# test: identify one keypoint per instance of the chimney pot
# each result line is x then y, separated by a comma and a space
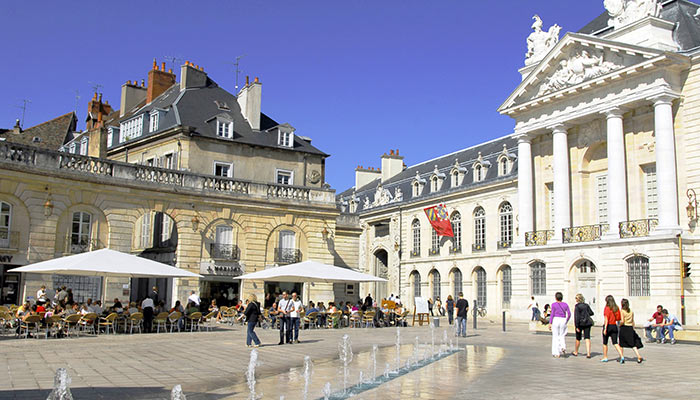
143, 83
163, 67
257, 80
128, 82
155, 65
170, 70
247, 80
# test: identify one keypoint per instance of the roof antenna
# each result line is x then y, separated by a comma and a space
77, 100
25, 102
96, 87
173, 60
237, 64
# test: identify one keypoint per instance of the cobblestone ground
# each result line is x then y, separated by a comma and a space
211, 365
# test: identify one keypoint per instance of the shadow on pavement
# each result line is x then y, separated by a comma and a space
109, 393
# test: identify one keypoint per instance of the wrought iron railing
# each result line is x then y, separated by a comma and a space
503, 244
586, 233
478, 247
637, 228
287, 256
415, 253
76, 245
220, 251
538, 238
9, 239
434, 251
455, 249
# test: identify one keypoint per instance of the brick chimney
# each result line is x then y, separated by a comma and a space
249, 98
392, 164
97, 111
158, 81
192, 76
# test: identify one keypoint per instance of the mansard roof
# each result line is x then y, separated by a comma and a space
490, 151
50, 135
682, 12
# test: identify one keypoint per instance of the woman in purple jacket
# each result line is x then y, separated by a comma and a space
557, 324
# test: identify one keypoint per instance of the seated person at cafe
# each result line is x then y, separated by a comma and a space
74, 309
117, 306
191, 308
96, 307
23, 309
657, 325
311, 308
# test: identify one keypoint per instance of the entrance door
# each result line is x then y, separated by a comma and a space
586, 282
381, 259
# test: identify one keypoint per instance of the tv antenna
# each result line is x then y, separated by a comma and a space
96, 87
173, 60
77, 100
237, 64
25, 102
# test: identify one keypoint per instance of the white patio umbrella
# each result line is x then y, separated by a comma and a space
311, 271
108, 263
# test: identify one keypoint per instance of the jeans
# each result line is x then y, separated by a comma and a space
659, 332
535, 313
295, 325
252, 337
669, 329
285, 329
462, 326
450, 316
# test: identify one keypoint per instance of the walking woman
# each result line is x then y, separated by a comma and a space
583, 323
450, 306
252, 314
628, 337
611, 316
557, 324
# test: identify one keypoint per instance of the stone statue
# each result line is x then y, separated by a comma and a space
540, 42
623, 12
398, 195
575, 70
365, 205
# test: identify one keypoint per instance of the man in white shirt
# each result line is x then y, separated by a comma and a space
194, 298
147, 308
284, 307
41, 295
294, 316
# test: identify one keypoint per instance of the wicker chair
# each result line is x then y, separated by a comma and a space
228, 314
87, 322
174, 320
311, 320
136, 321
368, 318
71, 324
53, 326
333, 320
107, 323
194, 320
209, 320
356, 320
161, 320
30, 324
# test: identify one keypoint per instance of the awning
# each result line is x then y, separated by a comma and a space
311, 271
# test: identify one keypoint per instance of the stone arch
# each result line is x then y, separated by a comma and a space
19, 217
277, 253
456, 277
209, 237
95, 238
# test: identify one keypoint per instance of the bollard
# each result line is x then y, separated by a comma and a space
474, 318
504, 321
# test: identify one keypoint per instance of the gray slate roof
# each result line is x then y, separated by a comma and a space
490, 151
682, 12
50, 135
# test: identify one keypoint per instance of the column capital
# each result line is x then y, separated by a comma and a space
523, 137
663, 99
613, 112
559, 128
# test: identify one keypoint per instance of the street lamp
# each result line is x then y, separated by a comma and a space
48, 205
692, 207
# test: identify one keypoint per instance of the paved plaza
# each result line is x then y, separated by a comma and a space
212, 365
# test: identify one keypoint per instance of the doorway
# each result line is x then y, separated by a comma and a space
586, 283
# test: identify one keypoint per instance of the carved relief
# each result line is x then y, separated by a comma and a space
590, 133
577, 69
540, 42
623, 12
315, 177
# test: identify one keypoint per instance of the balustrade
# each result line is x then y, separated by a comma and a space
586, 233
637, 228
538, 238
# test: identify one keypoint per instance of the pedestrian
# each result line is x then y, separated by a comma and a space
294, 316
147, 308
154, 294
535, 309
450, 306
583, 323
611, 316
194, 298
557, 324
284, 306
252, 315
430, 306
462, 307
628, 337
367, 305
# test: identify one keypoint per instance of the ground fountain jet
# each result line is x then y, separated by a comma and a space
61, 386
398, 349
345, 351
250, 374
432, 340
327, 391
373, 363
308, 371
177, 393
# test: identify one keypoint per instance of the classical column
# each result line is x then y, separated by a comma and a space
525, 192
666, 164
617, 181
562, 201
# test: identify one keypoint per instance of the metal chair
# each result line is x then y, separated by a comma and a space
87, 323
161, 320
29, 325
194, 320
136, 321
174, 320
209, 320
71, 324
107, 323
53, 326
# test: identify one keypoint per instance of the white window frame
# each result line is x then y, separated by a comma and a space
651, 191
480, 227
5, 223
131, 129
457, 282
416, 189
538, 278
84, 146
224, 128
550, 191
168, 160
110, 135
455, 179
503, 166
83, 224
71, 148
478, 173
154, 121
601, 182
481, 287
223, 164
435, 280
285, 139
284, 171
638, 276
434, 184
456, 221
146, 230
166, 228
505, 212
415, 232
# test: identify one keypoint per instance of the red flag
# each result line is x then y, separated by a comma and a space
437, 215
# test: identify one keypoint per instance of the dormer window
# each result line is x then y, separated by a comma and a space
84, 146
110, 136
417, 185
285, 139
457, 174
436, 180
454, 179
416, 189
502, 167
224, 128
155, 117
353, 205
71, 148
505, 162
480, 169
131, 129
434, 184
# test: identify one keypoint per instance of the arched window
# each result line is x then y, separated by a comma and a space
415, 279
434, 243
5, 224
478, 171
416, 189
538, 278
480, 287
638, 273
434, 184
456, 221
503, 167
505, 213
506, 280
455, 179
80, 232
479, 229
436, 284
415, 230
456, 283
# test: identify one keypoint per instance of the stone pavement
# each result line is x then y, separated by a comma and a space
212, 365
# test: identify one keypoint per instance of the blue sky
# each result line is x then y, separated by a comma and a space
359, 77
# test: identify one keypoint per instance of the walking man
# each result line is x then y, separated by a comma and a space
295, 315
284, 307
462, 308
147, 307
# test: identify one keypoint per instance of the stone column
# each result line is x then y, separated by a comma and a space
666, 177
525, 191
617, 171
562, 201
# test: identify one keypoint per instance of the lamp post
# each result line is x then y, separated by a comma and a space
692, 207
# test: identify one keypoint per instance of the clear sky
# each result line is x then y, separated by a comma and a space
359, 77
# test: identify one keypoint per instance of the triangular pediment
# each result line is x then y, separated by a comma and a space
576, 60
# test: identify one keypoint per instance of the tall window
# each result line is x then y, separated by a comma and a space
480, 228
503, 167
416, 189
415, 277
538, 278
434, 184
651, 191
5, 224
80, 232
166, 232
602, 191
434, 242
455, 179
146, 230
84, 146
506, 280
457, 231
285, 139
436, 284
224, 128
480, 287
550, 190
638, 273
284, 177
478, 171
154, 121
457, 283
415, 232
506, 216
110, 136
286, 253
223, 247
169, 161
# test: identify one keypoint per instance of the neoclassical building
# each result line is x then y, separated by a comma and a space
606, 162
